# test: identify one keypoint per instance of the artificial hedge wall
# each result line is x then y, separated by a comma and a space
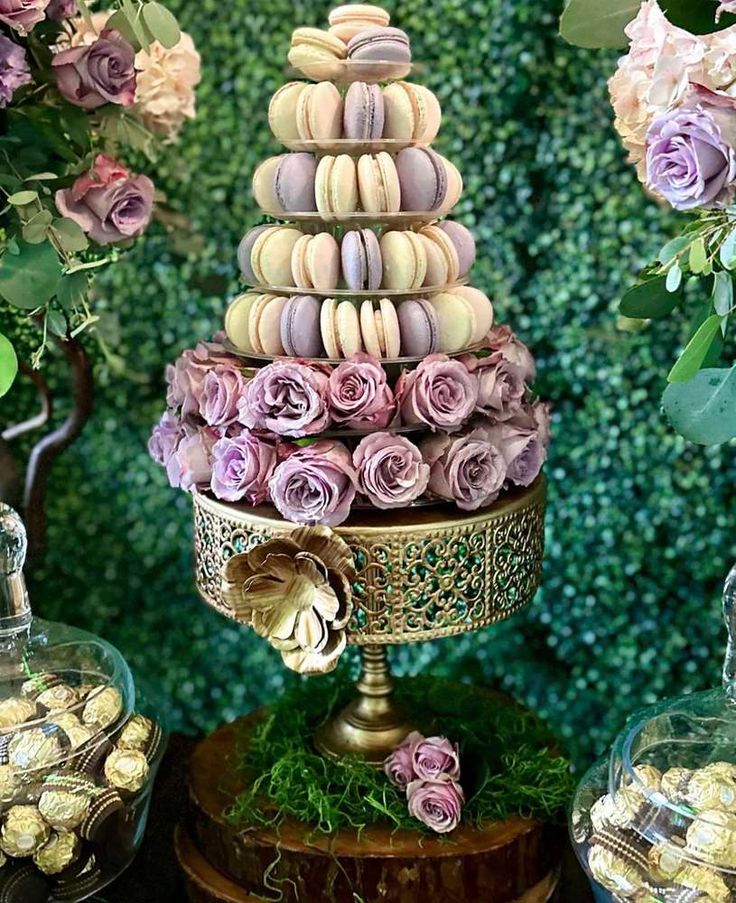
641, 527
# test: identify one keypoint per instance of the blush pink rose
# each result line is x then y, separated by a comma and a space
437, 804
434, 757
190, 466
241, 468
185, 377
359, 395
222, 389
22, 15
108, 203
440, 393
165, 438
287, 398
501, 385
522, 442
315, 484
91, 75
391, 473
399, 766
505, 342
469, 470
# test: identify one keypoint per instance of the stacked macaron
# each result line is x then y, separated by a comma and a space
438, 254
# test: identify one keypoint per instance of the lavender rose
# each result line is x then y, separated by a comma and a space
437, 804
399, 766
440, 393
434, 757
391, 473
286, 398
61, 9
501, 386
165, 438
185, 378
23, 15
14, 71
108, 203
315, 485
469, 470
359, 396
191, 464
241, 468
690, 158
513, 350
522, 441
91, 75
222, 389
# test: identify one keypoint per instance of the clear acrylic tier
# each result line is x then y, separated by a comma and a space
422, 292
345, 72
353, 147
400, 220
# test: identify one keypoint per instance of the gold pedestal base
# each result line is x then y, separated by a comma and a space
372, 725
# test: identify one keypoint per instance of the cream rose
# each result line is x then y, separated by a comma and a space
167, 78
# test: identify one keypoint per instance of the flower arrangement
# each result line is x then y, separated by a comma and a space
314, 439
675, 109
76, 88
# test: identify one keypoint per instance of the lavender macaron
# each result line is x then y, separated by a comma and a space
384, 44
423, 179
363, 113
244, 249
294, 183
419, 327
300, 329
464, 243
362, 266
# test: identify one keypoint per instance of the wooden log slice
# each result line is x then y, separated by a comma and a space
500, 862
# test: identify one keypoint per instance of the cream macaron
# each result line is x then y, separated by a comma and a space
237, 321
336, 185
456, 321
378, 184
316, 53
482, 310
347, 20
319, 112
340, 328
315, 262
282, 111
379, 329
404, 260
411, 112
264, 324
443, 263
270, 256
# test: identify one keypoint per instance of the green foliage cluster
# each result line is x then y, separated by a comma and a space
640, 525
507, 764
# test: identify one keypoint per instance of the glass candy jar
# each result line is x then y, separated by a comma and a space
655, 821
76, 764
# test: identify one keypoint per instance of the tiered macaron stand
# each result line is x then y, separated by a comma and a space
420, 573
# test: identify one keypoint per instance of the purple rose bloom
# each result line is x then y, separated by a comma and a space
222, 389
399, 766
522, 444
108, 203
440, 393
165, 438
286, 398
391, 473
315, 485
185, 377
61, 9
191, 465
91, 75
241, 468
23, 15
501, 386
437, 804
690, 157
14, 71
359, 396
435, 757
469, 470
512, 349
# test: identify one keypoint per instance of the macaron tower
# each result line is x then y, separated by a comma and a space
362, 444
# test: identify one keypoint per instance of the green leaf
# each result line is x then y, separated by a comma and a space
21, 198
674, 278
70, 235
8, 364
131, 14
28, 279
162, 24
57, 323
649, 301
41, 177
722, 293
120, 22
35, 233
597, 23
728, 251
71, 290
691, 359
703, 410
673, 248
698, 257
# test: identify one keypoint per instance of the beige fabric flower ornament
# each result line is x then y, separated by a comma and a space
296, 592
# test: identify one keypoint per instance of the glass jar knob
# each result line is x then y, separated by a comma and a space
15, 609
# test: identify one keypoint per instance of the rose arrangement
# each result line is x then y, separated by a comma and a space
675, 110
427, 770
259, 435
75, 88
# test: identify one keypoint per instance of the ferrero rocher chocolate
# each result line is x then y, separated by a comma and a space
674, 782
647, 779
34, 748
135, 734
601, 812
712, 838
58, 698
23, 831
613, 872
15, 711
627, 807
103, 709
58, 853
706, 881
9, 783
76, 732
666, 859
37, 684
127, 770
710, 788
65, 800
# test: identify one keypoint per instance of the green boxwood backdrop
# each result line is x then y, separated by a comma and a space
641, 526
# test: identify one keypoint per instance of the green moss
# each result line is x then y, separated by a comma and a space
508, 767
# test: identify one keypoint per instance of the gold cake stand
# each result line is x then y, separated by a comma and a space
422, 573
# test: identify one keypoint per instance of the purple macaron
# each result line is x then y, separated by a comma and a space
300, 332
363, 112
422, 177
464, 243
362, 266
378, 43
294, 183
244, 249
419, 328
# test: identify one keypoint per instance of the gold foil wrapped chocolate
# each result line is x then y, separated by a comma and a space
710, 788
711, 838
666, 859
706, 881
126, 770
601, 812
9, 784
65, 800
58, 698
136, 733
103, 708
614, 873
626, 807
37, 684
35, 748
674, 783
647, 779
23, 831
15, 711
77, 733
60, 852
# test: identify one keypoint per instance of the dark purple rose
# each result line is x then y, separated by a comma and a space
14, 71
91, 75
435, 757
241, 468
468, 470
690, 158
503, 340
61, 9
185, 378
23, 15
222, 389
399, 766
165, 438
501, 386
108, 203
440, 393
286, 398
391, 473
191, 464
315, 485
522, 443
359, 396
437, 804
